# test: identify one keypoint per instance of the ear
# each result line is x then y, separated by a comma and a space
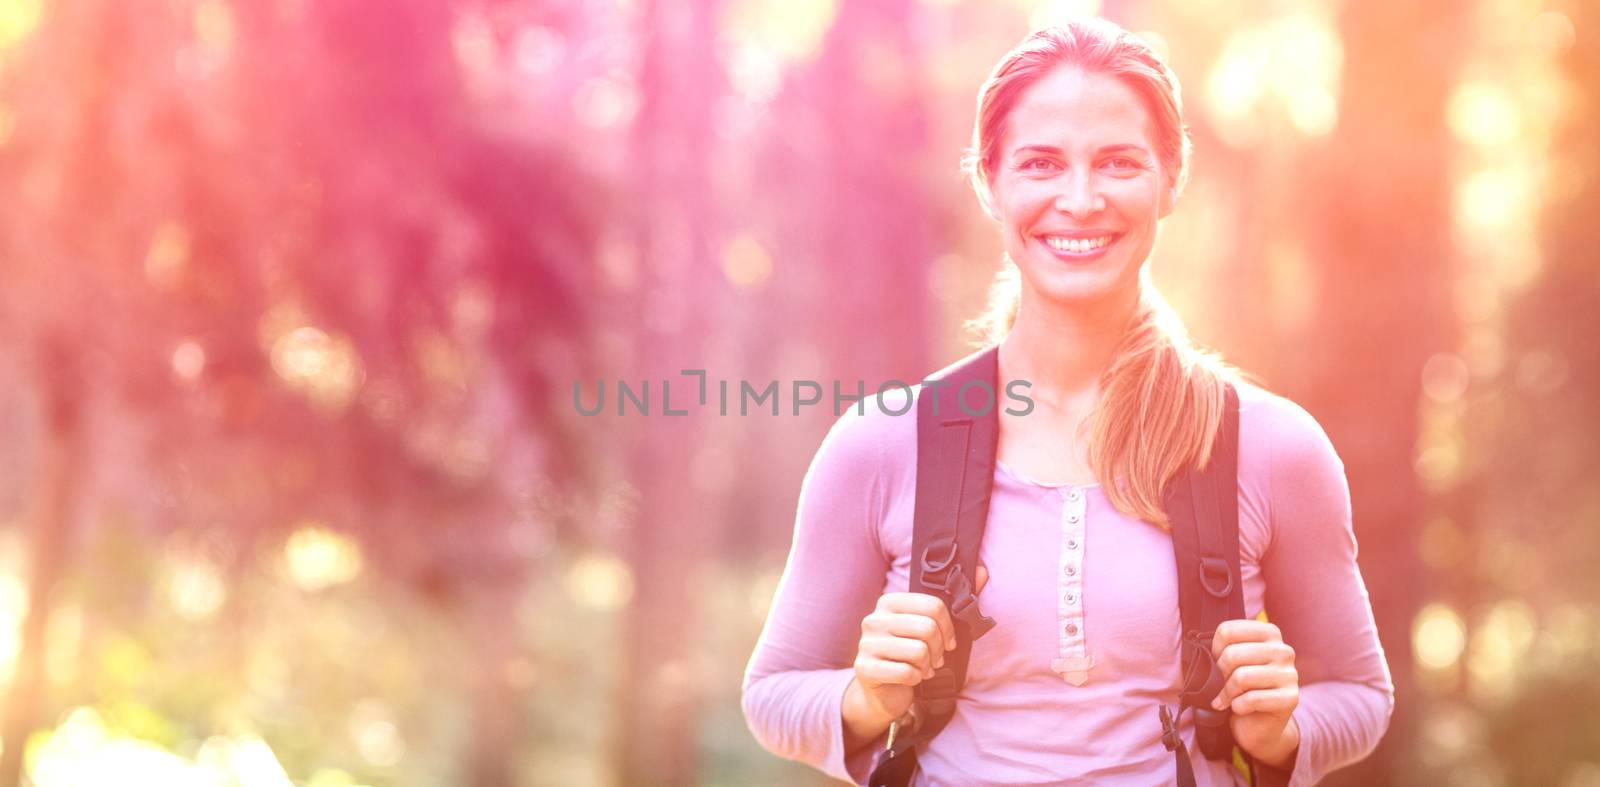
986, 198
1169, 198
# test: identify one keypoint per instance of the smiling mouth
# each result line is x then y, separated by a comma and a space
1083, 246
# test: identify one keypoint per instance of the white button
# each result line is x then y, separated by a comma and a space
1071, 598
1073, 518
1073, 494
1072, 543
1070, 571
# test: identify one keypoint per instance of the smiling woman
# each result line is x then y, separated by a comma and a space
876, 664
1074, 180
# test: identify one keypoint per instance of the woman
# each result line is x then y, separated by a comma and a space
1079, 150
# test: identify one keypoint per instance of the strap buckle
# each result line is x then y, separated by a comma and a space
1169, 729
965, 609
909, 722
941, 572
1216, 577
939, 564
1202, 677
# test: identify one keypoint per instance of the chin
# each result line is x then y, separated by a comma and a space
1073, 287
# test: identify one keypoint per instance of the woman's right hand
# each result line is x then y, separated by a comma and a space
903, 641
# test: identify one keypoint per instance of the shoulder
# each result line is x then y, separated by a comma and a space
876, 435
1272, 421
880, 431
1284, 449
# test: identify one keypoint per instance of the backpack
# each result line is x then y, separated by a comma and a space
956, 446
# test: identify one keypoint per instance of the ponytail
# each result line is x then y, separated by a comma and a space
1160, 401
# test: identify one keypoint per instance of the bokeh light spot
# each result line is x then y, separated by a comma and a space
1439, 464
322, 366
188, 360
1445, 377
375, 733
319, 558
1291, 64
13, 606
1313, 112
1438, 636
1498, 646
472, 39
539, 50
1542, 371
605, 103
745, 262
1488, 201
169, 250
86, 750
1552, 32
792, 31
213, 25
600, 582
755, 73
255, 765
195, 589
1482, 114
18, 19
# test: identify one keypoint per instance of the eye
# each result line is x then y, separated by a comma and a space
1038, 165
1123, 163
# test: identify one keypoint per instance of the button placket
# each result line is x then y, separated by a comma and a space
1074, 662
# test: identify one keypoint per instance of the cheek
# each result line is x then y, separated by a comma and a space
1023, 201
1135, 197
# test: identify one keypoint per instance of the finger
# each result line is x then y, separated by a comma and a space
1242, 630
1254, 676
920, 627
947, 625
982, 578
909, 651
1240, 654
922, 604
877, 672
1277, 702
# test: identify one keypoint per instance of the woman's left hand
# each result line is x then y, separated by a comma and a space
1263, 689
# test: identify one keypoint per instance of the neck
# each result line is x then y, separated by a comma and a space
1062, 349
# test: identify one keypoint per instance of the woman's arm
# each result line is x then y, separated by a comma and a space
864, 722
1315, 595
796, 684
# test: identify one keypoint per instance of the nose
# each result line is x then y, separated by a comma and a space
1079, 196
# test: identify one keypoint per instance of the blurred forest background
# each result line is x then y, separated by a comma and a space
293, 295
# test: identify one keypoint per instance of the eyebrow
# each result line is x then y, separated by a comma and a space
1051, 149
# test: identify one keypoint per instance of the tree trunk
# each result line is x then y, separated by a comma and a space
54, 515
496, 697
678, 297
1383, 262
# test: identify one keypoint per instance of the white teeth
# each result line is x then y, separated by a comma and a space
1076, 245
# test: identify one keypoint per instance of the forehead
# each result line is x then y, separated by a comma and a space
1069, 108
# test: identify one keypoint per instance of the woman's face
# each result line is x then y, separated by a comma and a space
1077, 188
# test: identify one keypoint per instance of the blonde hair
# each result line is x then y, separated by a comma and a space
1161, 397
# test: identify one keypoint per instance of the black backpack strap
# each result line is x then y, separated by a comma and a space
958, 431
1203, 507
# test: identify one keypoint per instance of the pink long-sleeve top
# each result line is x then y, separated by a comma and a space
1065, 687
